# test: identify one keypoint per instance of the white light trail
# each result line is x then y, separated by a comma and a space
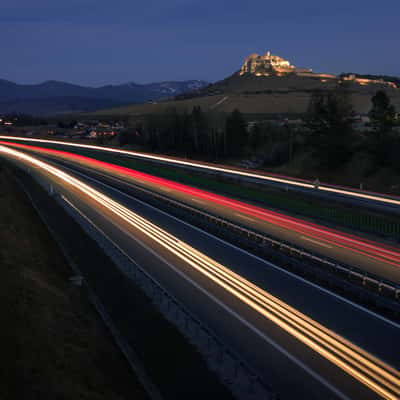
307, 185
367, 369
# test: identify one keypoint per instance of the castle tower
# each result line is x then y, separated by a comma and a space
265, 65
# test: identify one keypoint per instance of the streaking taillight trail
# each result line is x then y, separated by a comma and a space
324, 235
380, 198
362, 366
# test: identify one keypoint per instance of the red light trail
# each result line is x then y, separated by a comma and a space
322, 234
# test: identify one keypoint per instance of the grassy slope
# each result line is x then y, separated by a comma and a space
359, 169
54, 345
172, 363
264, 103
275, 95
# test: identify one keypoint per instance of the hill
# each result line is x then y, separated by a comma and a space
256, 95
52, 97
269, 85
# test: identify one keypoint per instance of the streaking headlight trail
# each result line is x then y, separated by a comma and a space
278, 179
305, 229
365, 368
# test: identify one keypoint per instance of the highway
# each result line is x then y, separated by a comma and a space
303, 340
377, 200
373, 257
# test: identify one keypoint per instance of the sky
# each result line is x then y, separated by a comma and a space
97, 42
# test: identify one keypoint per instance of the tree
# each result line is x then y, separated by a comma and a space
236, 133
201, 140
382, 114
382, 144
256, 137
329, 119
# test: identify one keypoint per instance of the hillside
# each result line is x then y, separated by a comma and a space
268, 85
52, 97
253, 99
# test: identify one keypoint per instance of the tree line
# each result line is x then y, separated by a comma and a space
327, 131
331, 134
191, 134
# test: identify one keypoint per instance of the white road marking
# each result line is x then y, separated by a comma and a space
197, 200
341, 298
244, 321
316, 242
244, 217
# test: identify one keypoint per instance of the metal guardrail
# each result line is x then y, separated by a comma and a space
129, 354
360, 285
369, 223
380, 292
234, 372
354, 282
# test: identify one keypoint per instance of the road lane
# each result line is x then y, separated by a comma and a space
260, 354
283, 284
375, 258
384, 200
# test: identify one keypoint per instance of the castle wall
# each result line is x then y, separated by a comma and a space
268, 64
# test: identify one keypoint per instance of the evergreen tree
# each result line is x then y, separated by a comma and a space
329, 119
383, 146
201, 139
382, 113
236, 133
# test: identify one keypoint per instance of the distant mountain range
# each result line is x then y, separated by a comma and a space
52, 97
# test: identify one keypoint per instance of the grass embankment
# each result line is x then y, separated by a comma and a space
333, 213
172, 364
53, 344
324, 211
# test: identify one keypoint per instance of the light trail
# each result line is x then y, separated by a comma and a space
324, 236
273, 178
365, 368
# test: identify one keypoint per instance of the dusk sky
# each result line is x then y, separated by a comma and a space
95, 42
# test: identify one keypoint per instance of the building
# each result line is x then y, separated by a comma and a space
364, 82
272, 65
269, 64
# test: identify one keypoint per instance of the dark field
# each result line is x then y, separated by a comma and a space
171, 364
53, 343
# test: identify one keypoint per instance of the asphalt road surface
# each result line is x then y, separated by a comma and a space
278, 322
378, 201
373, 257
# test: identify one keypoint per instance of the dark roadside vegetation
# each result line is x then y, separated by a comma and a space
53, 344
173, 365
328, 142
327, 145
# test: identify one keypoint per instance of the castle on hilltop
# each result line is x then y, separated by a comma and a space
268, 64
272, 65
